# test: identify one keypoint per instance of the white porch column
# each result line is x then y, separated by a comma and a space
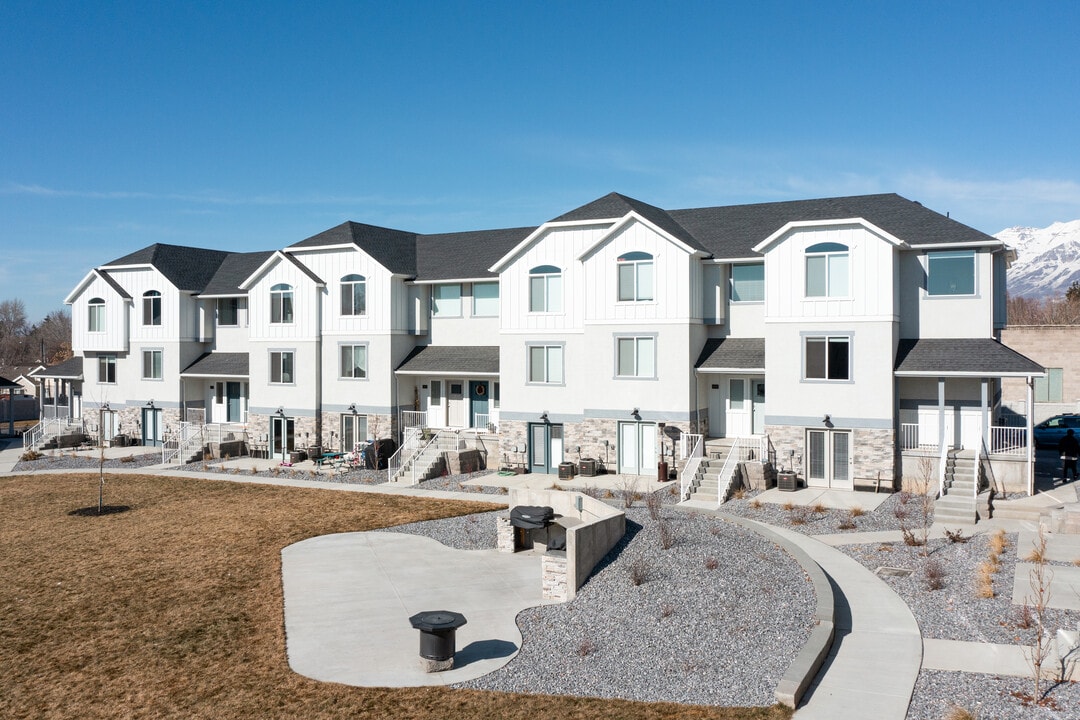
941, 412
985, 417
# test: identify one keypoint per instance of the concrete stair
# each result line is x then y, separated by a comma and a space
430, 462
959, 504
707, 486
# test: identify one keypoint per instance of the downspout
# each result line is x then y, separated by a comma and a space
318, 366
1030, 435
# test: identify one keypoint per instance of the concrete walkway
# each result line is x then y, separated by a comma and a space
348, 599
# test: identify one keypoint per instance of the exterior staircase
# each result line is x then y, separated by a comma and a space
707, 485
429, 462
958, 503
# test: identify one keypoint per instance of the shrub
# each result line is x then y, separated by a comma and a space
1037, 554
711, 563
128, 459
846, 524
586, 647
715, 530
934, 574
788, 506
910, 539
956, 536
857, 511
666, 610
797, 515
818, 509
1022, 617
740, 493
998, 542
984, 581
955, 712
639, 571
30, 456
654, 503
667, 534
755, 504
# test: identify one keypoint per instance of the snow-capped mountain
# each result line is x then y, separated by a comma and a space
1047, 259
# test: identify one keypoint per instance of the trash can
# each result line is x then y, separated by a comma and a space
438, 630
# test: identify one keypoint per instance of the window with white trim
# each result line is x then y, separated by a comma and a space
635, 276
827, 270
545, 289
281, 304
635, 357
748, 283
106, 369
151, 364
446, 300
950, 272
546, 364
95, 315
354, 361
354, 295
485, 299
827, 357
281, 367
151, 308
228, 312
1049, 388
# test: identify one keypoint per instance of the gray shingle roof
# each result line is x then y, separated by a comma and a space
393, 249
984, 356
449, 256
613, 205
5, 383
70, 369
219, 364
732, 354
234, 270
188, 268
731, 232
446, 359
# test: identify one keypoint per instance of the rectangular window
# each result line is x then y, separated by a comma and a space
152, 308
635, 277
748, 283
827, 358
281, 367
354, 361
827, 275
353, 431
1049, 388
151, 365
446, 301
281, 304
950, 273
546, 364
485, 299
228, 311
635, 357
545, 293
106, 368
96, 317
495, 395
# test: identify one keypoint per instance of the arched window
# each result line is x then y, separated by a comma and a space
281, 304
827, 270
635, 276
151, 308
353, 295
545, 289
95, 312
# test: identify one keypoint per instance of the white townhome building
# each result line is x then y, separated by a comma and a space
844, 335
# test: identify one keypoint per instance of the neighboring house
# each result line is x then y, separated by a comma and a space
1057, 348
21, 375
872, 321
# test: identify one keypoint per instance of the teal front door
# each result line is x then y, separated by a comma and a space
232, 396
151, 426
478, 402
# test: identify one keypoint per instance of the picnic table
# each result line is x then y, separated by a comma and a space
331, 456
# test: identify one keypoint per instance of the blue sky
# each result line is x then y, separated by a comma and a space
248, 126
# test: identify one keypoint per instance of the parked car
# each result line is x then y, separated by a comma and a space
1049, 432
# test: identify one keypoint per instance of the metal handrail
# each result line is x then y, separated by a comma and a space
943, 458
728, 468
408, 444
690, 470
173, 449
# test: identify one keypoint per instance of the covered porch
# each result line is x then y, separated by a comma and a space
61, 390
732, 373
949, 406
452, 387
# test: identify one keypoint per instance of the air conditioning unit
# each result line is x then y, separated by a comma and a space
589, 467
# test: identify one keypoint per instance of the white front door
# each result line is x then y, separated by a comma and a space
717, 410
433, 404
738, 408
455, 403
758, 411
828, 459
637, 448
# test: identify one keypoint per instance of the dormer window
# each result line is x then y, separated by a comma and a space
545, 289
353, 295
635, 277
827, 270
281, 304
95, 313
151, 308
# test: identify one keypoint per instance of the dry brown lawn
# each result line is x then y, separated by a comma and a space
174, 609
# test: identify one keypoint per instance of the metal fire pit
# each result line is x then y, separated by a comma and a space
438, 630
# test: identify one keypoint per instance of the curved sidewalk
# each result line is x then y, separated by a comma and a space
877, 649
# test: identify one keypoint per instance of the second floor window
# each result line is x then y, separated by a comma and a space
354, 361
281, 367
545, 289
353, 295
106, 368
748, 283
446, 301
546, 364
95, 313
228, 312
827, 270
151, 308
827, 358
635, 277
151, 365
485, 299
281, 304
950, 273
635, 357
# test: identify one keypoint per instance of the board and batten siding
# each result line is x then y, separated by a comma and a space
386, 308
872, 276
306, 300
559, 247
116, 335
677, 280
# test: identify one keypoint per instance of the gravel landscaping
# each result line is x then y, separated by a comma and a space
822, 521
715, 620
70, 461
989, 697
